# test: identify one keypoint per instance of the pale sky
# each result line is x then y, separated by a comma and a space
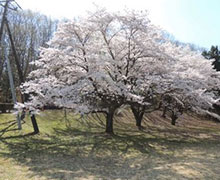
193, 21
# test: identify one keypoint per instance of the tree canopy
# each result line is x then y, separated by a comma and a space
104, 60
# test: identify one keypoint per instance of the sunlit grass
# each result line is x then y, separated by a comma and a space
75, 147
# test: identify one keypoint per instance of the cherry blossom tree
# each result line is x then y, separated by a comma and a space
104, 60
194, 82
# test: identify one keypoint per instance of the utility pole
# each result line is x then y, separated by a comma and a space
8, 5
20, 73
5, 22
2, 28
3, 44
12, 87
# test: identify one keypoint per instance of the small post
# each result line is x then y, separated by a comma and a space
34, 123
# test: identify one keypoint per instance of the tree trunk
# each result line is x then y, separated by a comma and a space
34, 123
1, 67
3, 109
164, 112
109, 121
138, 114
174, 118
23, 113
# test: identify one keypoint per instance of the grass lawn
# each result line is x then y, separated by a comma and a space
76, 148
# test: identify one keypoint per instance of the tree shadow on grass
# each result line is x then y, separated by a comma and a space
184, 135
117, 143
16, 137
9, 127
6, 123
73, 153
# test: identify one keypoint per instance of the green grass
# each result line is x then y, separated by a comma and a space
76, 148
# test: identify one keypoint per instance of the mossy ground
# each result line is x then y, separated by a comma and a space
73, 147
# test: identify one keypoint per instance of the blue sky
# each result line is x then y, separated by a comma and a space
196, 21
193, 21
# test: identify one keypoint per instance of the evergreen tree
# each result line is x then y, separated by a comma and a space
214, 53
